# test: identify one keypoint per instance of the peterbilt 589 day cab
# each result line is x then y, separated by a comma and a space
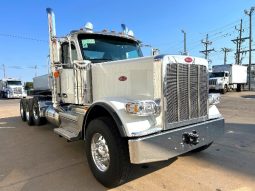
226, 77
129, 109
11, 88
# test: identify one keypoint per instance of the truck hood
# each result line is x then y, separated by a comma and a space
13, 86
126, 78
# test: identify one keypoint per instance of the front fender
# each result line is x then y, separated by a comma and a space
132, 125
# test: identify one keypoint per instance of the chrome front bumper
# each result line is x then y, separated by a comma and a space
169, 144
216, 87
16, 95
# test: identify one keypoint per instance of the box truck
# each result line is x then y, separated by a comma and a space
226, 77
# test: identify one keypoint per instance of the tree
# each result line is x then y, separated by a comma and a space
28, 85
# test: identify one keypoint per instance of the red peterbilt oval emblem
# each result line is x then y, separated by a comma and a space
188, 59
122, 78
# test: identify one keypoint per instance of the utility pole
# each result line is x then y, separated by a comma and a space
35, 70
184, 45
206, 52
249, 13
238, 41
226, 50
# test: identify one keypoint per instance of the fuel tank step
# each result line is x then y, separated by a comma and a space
69, 135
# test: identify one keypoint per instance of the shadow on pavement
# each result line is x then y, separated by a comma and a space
249, 96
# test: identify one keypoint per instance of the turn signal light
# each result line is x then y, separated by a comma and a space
56, 74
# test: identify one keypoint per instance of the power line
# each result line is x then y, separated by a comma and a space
23, 37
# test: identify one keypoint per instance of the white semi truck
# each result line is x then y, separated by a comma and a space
129, 109
11, 88
226, 77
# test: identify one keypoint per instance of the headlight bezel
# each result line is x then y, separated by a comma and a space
213, 98
143, 107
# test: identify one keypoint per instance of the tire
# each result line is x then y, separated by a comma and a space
36, 113
22, 110
199, 149
4, 95
116, 168
239, 88
29, 114
223, 91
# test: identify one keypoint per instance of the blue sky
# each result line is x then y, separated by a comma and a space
24, 30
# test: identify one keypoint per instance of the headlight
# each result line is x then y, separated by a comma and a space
143, 108
214, 99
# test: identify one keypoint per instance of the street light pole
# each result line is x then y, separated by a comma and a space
249, 13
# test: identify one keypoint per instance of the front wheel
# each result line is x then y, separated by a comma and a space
225, 89
107, 152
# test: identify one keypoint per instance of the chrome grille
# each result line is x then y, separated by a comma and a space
186, 93
212, 82
17, 90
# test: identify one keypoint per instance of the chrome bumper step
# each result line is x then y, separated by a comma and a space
69, 135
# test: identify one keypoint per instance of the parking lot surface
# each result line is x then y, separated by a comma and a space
35, 159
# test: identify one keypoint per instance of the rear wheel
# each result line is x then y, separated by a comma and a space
239, 88
22, 110
36, 113
29, 112
107, 152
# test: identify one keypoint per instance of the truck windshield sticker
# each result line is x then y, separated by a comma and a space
85, 42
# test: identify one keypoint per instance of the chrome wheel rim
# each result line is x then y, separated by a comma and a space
27, 113
100, 152
35, 113
21, 111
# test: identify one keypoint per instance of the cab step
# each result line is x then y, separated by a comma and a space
69, 135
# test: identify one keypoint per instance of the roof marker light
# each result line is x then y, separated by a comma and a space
89, 27
130, 33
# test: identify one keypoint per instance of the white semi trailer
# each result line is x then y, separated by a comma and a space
129, 109
11, 88
226, 77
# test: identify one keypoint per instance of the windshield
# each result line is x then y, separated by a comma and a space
216, 74
98, 48
14, 83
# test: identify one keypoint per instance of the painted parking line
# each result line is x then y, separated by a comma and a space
7, 127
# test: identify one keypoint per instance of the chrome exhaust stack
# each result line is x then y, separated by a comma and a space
54, 56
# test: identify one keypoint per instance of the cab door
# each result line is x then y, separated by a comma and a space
66, 90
